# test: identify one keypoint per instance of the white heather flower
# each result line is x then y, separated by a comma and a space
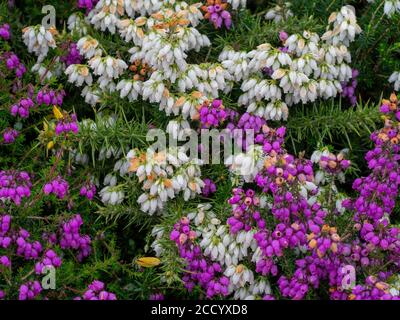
236, 3
239, 276
108, 67
79, 74
88, 47
91, 95
150, 204
132, 30
201, 214
177, 128
130, 88
110, 180
246, 164
206, 78
345, 27
165, 174
142, 7
42, 71
77, 25
105, 15
122, 167
279, 13
395, 79
194, 14
39, 40
158, 233
111, 196
236, 63
257, 289
391, 7
165, 51
79, 158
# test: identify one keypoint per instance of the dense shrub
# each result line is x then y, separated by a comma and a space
307, 210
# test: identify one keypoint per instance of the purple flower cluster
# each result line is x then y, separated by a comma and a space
209, 275
271, 139
50, 259
96, 292
86, 4
29, 290
50, 97
156, 296
9, 135
19, 241
349, 89
14, 185
73, 56
212, 114
209, 188
378, 191
25, 248
367, 244
72, 239
334, 164
5, 261
67, 124
244, 213
22, 108
88, 190
307, 273
5, 239
13, 63
5, 31
58, 186
216, 12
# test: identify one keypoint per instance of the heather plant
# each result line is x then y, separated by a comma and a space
307, 208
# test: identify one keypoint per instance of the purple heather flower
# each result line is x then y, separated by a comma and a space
5, 31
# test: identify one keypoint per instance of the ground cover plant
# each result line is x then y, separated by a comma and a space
305, 94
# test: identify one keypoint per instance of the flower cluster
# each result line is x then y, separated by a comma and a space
14, 186
19, 245
307, 67
206, 274
86, 4
25, 248
165, 174
349, 89
88, 190
72, 239
96, 292
67, 124
58, 186
22, 108
13, 63
390, 7
209, 188
50, 97
279, 12
5, 31
287, 214
50, 259
395, 78
30, 290
9, 135
73, 56
39, 40
216, 11
378, 191
5, 222
212, 114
